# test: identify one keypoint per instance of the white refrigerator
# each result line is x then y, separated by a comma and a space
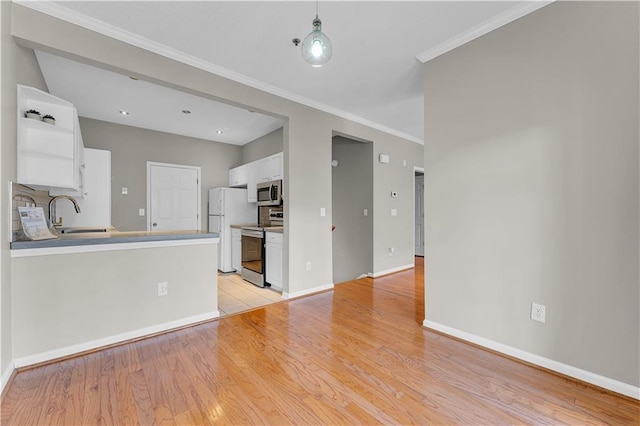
229, 206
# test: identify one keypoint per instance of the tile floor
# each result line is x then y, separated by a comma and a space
236, 295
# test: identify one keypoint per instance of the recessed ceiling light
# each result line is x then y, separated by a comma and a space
123, 112
219, 132
186, 111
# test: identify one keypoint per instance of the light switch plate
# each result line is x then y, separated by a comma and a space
394, 212
125, 190
141, 212
323, 212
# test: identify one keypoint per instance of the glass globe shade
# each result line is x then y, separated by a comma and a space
316, 46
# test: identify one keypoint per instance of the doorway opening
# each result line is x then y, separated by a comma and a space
352, 208
418, 208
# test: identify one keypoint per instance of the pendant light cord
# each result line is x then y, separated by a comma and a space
317, 8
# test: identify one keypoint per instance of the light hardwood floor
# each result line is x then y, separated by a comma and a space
237, 295
355, 355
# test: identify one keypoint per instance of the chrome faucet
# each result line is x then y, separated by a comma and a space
52, 209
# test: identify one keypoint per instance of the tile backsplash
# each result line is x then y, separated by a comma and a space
21, 197
263, 214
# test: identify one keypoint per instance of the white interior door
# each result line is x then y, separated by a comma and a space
173, 197
419, 216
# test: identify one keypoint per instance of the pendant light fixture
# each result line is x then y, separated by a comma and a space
316, 47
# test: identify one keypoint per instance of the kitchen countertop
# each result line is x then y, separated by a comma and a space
278, 229
112, 237
244, 225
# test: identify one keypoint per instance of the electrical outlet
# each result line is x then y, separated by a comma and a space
308, 266
140, 212
125, 190
391, 251
163, 288
394, 212
365, 212
538, 312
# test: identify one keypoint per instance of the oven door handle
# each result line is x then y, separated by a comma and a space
250, 233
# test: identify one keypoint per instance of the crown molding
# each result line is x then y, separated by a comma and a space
87, 22
485, 27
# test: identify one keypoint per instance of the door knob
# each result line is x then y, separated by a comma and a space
155, 224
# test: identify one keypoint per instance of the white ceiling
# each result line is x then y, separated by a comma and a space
101, 94
374, 76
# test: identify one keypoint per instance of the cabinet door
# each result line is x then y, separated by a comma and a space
238, 176
271, 168
273, 258
47, 154
95, 208
236, 249
253, 169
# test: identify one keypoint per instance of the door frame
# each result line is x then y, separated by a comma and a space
179, 166
413, 221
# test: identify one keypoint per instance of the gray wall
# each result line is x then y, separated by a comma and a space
532, 190
28, 69
7, 172
132, 147
307, 145
18, 65
109, 303
271, 143
394, 231
352, 187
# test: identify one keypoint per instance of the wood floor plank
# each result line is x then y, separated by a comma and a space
354, 355
91, 392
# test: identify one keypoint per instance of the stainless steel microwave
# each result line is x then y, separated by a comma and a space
270, 193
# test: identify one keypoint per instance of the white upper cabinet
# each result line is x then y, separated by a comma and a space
238, 177
250, 174
253, 172
271, 167
50, 156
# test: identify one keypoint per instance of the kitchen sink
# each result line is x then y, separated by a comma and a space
81, 230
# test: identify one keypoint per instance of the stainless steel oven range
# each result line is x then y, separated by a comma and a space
253, 255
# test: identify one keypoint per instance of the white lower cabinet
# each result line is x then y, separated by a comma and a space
273, 259
236, 249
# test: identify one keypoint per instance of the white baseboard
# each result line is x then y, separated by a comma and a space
318, 289
6, 375
568, 370
391, 271
106, 341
